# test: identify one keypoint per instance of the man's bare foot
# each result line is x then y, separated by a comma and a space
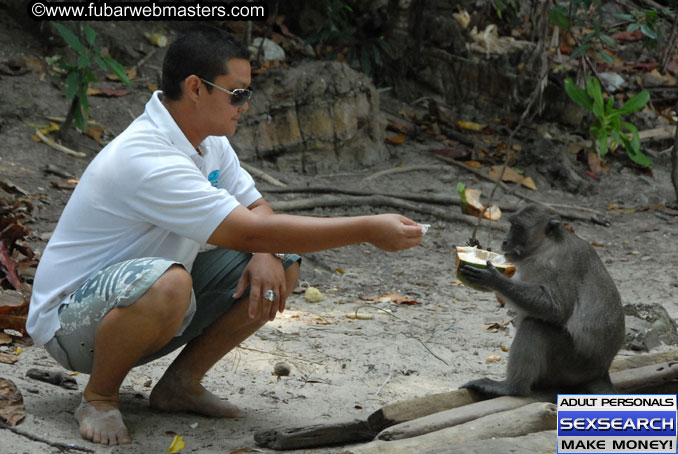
172, 396
101, 422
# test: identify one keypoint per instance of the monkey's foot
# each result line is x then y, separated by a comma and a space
489, 388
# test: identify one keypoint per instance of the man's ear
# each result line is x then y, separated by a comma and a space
191, 86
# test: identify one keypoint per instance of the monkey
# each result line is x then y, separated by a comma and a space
570, 318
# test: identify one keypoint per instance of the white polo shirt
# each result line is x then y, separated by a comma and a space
146, 194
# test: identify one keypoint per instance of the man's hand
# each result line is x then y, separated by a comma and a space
393, 232
264, 272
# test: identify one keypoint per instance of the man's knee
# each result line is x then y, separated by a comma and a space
172, 291
291, 277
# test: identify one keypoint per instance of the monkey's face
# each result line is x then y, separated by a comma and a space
526, 234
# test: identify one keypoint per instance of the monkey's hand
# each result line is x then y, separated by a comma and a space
486, 277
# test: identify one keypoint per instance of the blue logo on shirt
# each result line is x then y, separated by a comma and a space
213, 178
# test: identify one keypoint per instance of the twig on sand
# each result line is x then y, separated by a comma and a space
58, 146
261, 174
54, 444
390, 376
402, 170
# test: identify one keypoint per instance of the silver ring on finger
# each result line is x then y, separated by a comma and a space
269, 295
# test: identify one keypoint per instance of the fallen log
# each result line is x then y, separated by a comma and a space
456, 416
330, 433
630, 362
419, 407
657, 378
524, 420
543, 442
626, 381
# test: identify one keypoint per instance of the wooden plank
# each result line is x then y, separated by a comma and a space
455, 416
630, 362
534, 417
330, 433
543, 442
408, 410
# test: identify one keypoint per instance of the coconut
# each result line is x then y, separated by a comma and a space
478, 258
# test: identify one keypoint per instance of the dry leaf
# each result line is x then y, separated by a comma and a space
177, 444
131, 75
471, 126
398, 126
493, 359
151, 86
11, 403
96, 132
458, 152
6, 358
396, 140
105, 91
10, 265
69, 184
5, 338
13, 316
512, 175
157, 39
340, 270
395, 298
474, 164
596, 165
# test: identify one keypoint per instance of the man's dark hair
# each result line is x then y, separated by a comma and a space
201, 50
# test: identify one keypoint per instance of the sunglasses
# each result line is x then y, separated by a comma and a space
239, 96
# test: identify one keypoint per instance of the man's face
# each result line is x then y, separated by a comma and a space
220, 115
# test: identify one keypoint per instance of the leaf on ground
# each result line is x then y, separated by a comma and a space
9, 267
151, 86
6, 358
398, 126
471, 126
596, 165
109, 92
396, 298
622, 36
13, 311
96, 132
474, 164
177, 444
458, 152
131, 75
512, 175
11, 403
396, 140
5, 338
71, 183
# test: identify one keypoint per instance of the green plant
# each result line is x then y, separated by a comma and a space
610, 124
564, 15
78, 75
648, 22
585, 15
336, 26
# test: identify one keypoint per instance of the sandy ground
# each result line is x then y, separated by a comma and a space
343, 367
340, 367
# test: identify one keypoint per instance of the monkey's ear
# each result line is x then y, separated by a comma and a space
552, 226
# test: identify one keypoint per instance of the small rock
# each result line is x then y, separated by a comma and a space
148, 383
281, 369
313, 295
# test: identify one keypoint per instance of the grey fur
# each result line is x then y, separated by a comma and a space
571, 322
